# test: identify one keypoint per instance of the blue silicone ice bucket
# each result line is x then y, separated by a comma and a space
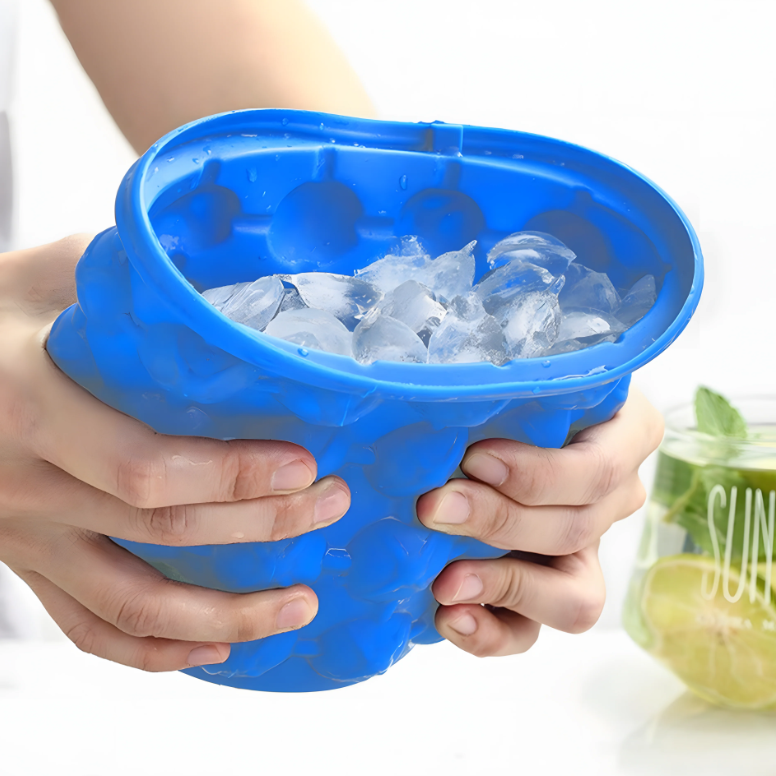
250, 193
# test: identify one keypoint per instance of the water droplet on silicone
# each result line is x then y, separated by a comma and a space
284, 122
252, 174
207, 150
536, 390
545, 364
321, 126
403, 181
303, 352
195, 159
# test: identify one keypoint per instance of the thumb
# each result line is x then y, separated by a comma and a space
41, 280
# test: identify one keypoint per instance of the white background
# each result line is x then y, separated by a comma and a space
682, 90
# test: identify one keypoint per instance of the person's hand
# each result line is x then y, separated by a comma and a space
73, 472
550, 507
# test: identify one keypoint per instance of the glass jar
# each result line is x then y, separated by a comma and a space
702, 598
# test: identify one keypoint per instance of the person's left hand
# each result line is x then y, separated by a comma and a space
550, 508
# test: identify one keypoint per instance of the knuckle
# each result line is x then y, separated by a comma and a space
284, 515
578, 530
140, 481
509, 590
246, 626
586, 611
139, 615
499, 525
169, 525
639, 496
82, 634
655, 429
606, 473
485, 647
146, 658
537, 479
528, 640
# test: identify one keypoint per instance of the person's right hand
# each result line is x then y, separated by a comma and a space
74, 471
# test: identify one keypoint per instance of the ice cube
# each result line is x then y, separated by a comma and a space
586, 288
581, 323
292, 301
382, 338
459, 341
583, 328
407, 262
451, 274
310, 328
539, 248
251, 304
468, 307
503, 284
414, 305
345, 297
638, 301
530, 324
219, 296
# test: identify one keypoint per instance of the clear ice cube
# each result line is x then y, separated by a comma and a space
459, 341
347, 298
579, 324
251, 304
509, 281
407, 262
382, 338
638, 301
538, 248
468, 307
311, 328
587, 288
530, 324
219, 296
414, 305
291, 301
451, 274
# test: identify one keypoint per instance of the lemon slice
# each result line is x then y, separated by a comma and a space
724, 651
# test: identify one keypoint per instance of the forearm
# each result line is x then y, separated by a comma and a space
160, 63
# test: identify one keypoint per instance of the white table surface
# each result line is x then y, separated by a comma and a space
572, 705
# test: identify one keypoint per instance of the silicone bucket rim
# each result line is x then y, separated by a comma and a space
419, 382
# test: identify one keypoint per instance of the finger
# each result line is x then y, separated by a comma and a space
45, 492
595, 463
122, 456
41, 280
486, 633
97, 637
467, 508
128, 593
568, 595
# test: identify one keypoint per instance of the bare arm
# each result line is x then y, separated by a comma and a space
160, 63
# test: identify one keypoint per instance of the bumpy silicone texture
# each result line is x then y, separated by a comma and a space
250, 193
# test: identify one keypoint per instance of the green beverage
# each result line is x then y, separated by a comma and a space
702, 598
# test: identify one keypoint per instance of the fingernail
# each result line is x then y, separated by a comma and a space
204, 656
465, 625
332, 504
293, 476
453, 509
486, 468
294, 614
470, 588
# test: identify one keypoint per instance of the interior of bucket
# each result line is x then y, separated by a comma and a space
263, 192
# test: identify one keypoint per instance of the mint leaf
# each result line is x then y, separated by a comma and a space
716, 416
